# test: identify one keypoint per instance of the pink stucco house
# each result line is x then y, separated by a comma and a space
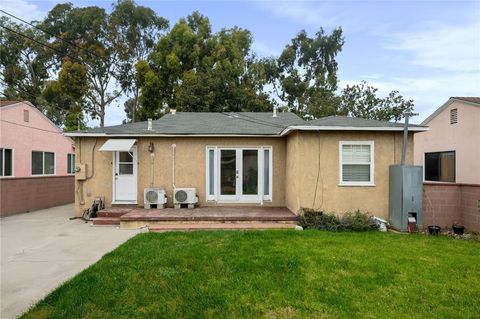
36, 160
450, 149
450, 154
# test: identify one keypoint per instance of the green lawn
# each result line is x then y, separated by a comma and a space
275, 274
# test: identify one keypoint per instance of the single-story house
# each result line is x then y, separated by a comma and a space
36, 160
336, 164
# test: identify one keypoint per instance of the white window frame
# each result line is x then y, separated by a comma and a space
371, 163
43, 164
73, 164
3, 163
216, 178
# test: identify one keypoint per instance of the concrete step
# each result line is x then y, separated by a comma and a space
106, 221
218, 226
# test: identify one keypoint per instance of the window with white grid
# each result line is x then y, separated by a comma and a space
357, 163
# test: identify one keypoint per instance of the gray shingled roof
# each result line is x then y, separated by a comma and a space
241, 123
471, 99
203, 123
347, 121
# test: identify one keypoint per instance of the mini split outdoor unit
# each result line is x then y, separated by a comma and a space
154, 198
185, 196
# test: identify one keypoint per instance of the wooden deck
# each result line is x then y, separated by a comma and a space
170, 218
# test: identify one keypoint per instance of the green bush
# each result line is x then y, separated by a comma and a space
357, 221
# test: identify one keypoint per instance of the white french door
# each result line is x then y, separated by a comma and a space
237, 174
125, 176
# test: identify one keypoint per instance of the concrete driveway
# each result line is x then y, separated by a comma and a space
42, 249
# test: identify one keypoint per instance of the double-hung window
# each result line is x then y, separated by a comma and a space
43, 163
357, 163
70, 163
6, 162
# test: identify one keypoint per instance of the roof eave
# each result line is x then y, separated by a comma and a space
350, 128
82, 134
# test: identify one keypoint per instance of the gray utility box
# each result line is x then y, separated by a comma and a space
406, 196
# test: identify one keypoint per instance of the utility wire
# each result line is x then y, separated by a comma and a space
35, 128
53, 35
30, 94
39, 42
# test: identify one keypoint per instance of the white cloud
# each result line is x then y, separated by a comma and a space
264, 50
22, 9
428, 92
311, 13
440, 46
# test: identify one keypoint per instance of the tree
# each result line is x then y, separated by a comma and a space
304, 76
195, 70
85, 35
361, 100
65, 95
137, 29
24, 63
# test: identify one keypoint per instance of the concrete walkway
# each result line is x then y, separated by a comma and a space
42, 249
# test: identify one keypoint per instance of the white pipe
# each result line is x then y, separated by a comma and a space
173, 166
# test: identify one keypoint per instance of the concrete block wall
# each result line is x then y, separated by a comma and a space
18, 195
446, 203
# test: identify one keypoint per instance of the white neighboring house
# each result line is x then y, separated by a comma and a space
450, 150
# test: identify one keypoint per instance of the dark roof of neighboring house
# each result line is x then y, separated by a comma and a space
203, 123
240, 123
7, 102
347, 121
469, 99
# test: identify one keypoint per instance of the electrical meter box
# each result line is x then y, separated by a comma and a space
81, 172
406, 196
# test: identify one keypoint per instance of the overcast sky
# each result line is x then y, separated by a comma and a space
428, 50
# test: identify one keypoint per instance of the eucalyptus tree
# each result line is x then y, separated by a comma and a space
193, 69
304, 76
85, 35
136, 30
24, 62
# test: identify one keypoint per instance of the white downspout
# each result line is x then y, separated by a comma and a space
173, 166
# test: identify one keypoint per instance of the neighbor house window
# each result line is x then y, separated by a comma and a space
26, 116
70, 163
440, 166
453, 116
357, 163
43, 163
6, 162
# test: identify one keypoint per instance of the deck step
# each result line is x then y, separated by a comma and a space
111, 213
106, 221
218, 226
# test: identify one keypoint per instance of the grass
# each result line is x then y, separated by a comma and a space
275, 274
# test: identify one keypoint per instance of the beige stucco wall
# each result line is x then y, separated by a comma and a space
462, 137
189, 166
307, 151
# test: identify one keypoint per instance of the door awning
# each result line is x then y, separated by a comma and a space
117, 145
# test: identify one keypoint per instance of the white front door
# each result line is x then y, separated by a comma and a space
125, 176
239, 175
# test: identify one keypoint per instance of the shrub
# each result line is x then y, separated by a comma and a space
357, 221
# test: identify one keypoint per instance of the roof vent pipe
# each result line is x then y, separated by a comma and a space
173, 111
274, 111
405, 139
149, 125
